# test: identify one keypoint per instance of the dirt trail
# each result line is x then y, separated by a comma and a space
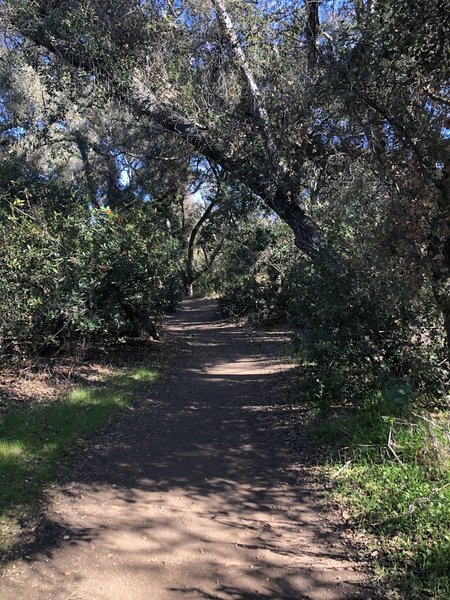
193, 495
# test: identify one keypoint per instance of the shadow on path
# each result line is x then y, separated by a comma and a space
193, 494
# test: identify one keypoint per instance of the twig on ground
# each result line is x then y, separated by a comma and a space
424, 499
391, 447
72, 596
339, 471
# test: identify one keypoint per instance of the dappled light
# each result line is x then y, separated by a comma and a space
278, 173
194, 496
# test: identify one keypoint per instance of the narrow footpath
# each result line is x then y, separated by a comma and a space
194, 493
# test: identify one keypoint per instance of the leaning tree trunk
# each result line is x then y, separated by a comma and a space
271, 180
189, 274
189, 289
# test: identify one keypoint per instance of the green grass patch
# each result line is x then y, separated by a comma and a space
34, 440
393, 475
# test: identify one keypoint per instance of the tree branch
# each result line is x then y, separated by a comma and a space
259, 109
271, 182
311, 32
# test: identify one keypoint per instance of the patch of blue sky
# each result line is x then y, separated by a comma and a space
124, 178
197, 62
62, 126
274, 6
142, 194
15, 132
45, 176
45, 58
4, 115
198, 197
390, 134
435, 108
10, 41
126, 168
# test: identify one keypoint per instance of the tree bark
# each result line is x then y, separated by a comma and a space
189, 276
259, 109
311, 32
83, 149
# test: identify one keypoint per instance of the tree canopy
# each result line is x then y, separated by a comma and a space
147, 99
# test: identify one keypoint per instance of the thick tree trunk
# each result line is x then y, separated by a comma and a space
290, 207
188, 278
83, 148
189, 275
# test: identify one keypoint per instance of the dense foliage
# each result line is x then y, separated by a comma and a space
73, 276
372, 366
369, 325
290, 157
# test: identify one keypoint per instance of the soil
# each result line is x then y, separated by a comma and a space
196, 493
43, 379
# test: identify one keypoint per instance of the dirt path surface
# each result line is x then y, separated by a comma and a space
193, 495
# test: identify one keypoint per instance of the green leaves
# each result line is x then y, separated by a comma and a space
76, 275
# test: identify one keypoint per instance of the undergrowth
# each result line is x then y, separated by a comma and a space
34, 441
392, 472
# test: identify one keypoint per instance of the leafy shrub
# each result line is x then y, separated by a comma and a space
364, 329
251, 274
75, 275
